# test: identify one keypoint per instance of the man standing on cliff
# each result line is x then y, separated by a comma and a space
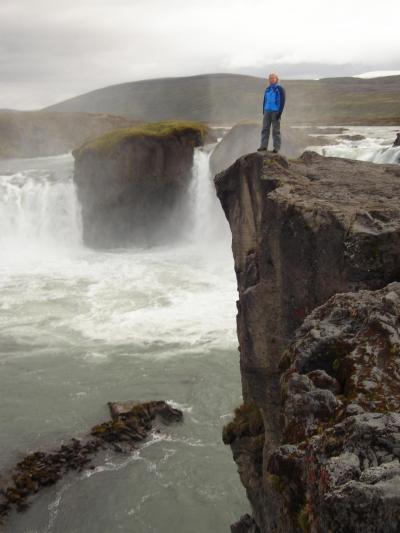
273, 104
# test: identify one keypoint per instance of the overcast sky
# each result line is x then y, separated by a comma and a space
53, 49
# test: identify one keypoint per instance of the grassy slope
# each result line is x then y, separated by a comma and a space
229, 98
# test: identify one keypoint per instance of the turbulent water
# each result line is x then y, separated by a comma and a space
376, 145
79, 328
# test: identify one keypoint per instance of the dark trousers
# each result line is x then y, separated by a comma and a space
271, 119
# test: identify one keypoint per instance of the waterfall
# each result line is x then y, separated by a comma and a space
374, 144
39, 212
389, 155
208, 223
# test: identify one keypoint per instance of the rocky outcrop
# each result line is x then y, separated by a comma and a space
130, 423
45, 133
321, 367
245, 138
131, 183
397, 140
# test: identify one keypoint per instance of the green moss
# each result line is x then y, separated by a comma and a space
336, 364
277, 482
395, 350
106, 143
303, 519
247, 422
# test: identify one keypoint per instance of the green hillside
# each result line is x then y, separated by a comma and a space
229, 98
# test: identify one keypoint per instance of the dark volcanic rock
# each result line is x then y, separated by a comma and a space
350, 440
246, 524
131, 183
352, 137
397, 140
131, 423
303, 231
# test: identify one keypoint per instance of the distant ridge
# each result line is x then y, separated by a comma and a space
229, 98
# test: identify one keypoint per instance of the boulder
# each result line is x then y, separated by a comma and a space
397, 140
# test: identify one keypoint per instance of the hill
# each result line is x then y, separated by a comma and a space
39, 133
229, 98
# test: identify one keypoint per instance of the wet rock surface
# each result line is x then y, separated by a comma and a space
131, 423
397, 140
356, 137
321, 366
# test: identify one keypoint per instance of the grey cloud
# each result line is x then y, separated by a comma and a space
51, 49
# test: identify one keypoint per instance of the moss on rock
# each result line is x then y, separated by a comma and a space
107, 143
247, 422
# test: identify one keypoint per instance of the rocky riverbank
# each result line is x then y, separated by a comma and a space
130, 423
131, 183
316, 241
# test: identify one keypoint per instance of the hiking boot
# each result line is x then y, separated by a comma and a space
262, 149
275, 151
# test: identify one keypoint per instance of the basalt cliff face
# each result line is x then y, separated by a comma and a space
130, 183
316, 245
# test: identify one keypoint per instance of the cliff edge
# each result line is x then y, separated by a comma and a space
316, 245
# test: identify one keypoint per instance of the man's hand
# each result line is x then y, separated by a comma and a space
278, 116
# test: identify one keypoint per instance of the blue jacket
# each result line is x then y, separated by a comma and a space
274, 98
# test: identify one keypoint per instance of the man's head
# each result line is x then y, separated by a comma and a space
273, 78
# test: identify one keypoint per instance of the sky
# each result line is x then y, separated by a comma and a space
51, 50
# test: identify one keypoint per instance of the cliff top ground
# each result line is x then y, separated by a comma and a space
357, 193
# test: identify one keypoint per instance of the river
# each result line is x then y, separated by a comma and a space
79, 328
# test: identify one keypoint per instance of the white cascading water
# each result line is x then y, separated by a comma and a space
375, 146
81, 327
208, 221
39, 213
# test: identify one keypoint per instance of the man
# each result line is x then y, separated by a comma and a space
274, 102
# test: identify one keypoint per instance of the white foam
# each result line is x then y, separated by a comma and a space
376, 146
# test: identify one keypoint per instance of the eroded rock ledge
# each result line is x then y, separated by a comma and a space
303, 233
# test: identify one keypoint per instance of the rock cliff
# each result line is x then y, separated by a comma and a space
130, 183
316, 245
